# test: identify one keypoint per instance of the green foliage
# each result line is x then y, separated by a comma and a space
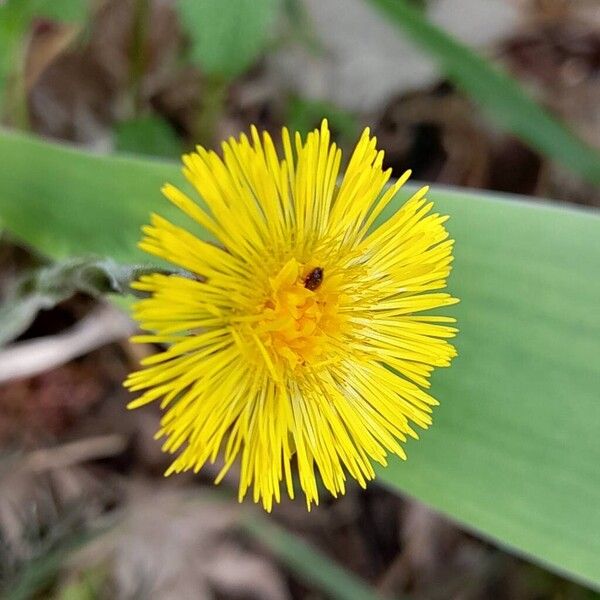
104, 200
15, 20
305, 115
44, 287
10, 39
305, 561
151, 136
89, 586
298, 26
42, 569
514, 449
227, 37
16, 15
497, 93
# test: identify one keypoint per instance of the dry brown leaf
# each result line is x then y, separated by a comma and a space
173, 545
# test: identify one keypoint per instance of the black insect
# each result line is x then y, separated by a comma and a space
314, 279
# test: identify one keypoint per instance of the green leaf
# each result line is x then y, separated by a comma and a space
45, 287
69, 11
514, 449
497, 93
147, 135
310, 565
78, 204
10, 44
306, 115
15, 19
88, 586
18, 13
227, 37
43, 569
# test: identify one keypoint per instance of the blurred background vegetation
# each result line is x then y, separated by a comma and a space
500, 95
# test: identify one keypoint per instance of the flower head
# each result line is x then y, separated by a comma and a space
294, 339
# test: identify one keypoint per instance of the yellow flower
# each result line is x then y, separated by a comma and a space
293, 342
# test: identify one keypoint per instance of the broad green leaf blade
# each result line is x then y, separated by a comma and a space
515, 445
227, 37
78, 204
514, 449
497, 94
308, 563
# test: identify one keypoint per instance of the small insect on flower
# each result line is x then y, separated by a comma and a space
294, 340
313, 279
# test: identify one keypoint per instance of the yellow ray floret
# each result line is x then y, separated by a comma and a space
294, 343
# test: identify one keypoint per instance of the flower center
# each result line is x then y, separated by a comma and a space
300, 314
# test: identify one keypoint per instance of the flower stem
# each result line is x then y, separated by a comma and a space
138, 56
15, 106
213, 102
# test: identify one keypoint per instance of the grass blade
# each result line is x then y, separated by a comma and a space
308, 563
496, 93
